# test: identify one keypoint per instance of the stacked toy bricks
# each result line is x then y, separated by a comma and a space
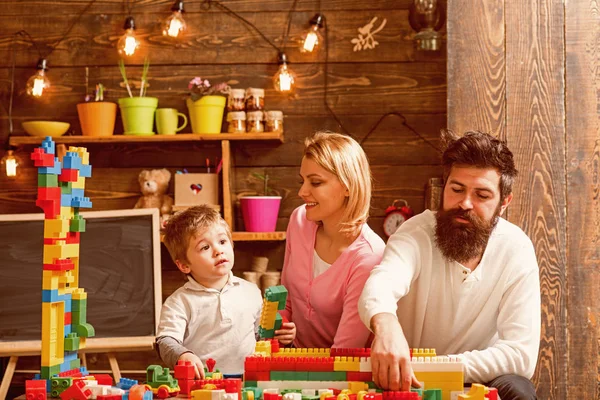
213, 387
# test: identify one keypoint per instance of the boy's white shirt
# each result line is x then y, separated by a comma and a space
214, 324
491, 316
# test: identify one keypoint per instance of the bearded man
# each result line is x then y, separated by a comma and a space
463, 280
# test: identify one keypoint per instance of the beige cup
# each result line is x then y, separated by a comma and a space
167, 120
259, 264
253, 277
268, 279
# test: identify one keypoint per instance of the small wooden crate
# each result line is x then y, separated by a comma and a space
195, 189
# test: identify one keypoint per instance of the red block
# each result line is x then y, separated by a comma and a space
271, 396
49, 193
103, 379
493, 394
185, 385
250, 364
69, 175
263, 376
41, 158
35, 389
400, 396
65, 264
373, 396
184, 370
248, 376
68, 320
74, 373
109, 397
350, 352
283, 364
51, 208
72, 237
76, 392
274, 345
263, 364
354, 376
320, 364
233, 385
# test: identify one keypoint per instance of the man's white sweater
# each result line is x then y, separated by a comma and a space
490, 316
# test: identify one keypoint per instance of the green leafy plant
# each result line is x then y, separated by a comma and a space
264, 178
144, 81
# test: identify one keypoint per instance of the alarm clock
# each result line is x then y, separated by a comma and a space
395, 215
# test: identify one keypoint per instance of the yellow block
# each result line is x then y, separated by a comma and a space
477, 392
67, 212
423, 352
346, 364
56, 228
455, 376
80, 184
357, 387
51, 279
302, 352
82, 342
53, 333
263, 346
79, 294
60, 250
268, 314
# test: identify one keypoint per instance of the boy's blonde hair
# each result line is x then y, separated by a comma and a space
186, 224
344, 157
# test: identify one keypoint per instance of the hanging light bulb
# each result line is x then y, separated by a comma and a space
285, 78
175, 24
38, 82
128, 43
9, 161
313, 38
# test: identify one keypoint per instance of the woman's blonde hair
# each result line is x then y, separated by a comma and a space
186, 224
344, 157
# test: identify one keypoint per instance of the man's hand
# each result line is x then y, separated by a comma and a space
286, 334
390, 355
198, 366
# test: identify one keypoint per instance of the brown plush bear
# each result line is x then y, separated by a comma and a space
154, 184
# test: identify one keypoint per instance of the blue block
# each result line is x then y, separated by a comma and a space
72, 160
126, 383
81, 202
56, 169
70, 356
77, 192
50, 296
65, 366
67, 329
65, 200
84, 371
85, 171
48, 145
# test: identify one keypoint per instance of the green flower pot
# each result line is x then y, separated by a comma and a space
137, 114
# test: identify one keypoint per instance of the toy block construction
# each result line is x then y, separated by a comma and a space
270, 319
64, 308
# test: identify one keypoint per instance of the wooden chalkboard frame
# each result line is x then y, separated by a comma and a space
101, 345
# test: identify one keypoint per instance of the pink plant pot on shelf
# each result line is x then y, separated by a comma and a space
260, 212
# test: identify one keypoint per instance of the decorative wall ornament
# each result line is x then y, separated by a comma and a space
427, 17
366, 36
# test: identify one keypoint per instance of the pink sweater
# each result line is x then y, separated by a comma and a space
325, 309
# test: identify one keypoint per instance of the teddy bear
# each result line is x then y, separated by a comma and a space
154, 184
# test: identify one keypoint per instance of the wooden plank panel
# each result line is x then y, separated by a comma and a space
358, 89
476, 66
217, 38
72, 7
535, 130
582, 30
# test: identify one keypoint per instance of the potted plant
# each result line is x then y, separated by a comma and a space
260, 212
206, 105
137, 113
96, 116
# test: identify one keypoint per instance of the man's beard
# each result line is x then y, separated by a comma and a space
462, 242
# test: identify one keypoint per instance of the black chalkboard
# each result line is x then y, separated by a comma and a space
119, 269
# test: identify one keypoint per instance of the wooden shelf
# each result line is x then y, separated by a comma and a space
255, 236
180, 137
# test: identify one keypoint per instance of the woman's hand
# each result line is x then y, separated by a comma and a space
286, 334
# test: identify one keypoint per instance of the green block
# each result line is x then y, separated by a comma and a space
78, 312
49, 372
278, 294
77, 225
47, 180
266, 333
258, 392
72, 342
66, 187
84, 330
417, 390
76, 364
278, 321
289, 376
284, 391
310, 397
432, 394
250, 384
59, 385
327, 376
372, 385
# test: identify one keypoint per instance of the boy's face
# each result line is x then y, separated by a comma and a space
210, 257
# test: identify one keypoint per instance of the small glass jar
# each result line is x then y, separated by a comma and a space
433, 193
255, 122
255, 99
236, 122
274, 121
236, 100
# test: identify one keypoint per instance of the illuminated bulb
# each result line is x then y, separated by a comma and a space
285, 78
128, 43
313, 38
10, 163
175, 24
38, 82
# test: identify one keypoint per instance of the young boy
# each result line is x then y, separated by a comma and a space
215, 314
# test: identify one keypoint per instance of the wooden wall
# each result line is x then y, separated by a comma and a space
363, 86
527, 71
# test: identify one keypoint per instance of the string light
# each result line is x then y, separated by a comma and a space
128, 43
285, 78
38, 82
313, 37
10, 163
175, 24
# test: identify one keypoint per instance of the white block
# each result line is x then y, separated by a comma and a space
321, 391
300, 385
271, 389
308, 392
292, 396
365, 364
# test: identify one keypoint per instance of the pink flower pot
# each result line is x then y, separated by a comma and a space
260, 212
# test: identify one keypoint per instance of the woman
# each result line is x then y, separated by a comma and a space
330, 248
